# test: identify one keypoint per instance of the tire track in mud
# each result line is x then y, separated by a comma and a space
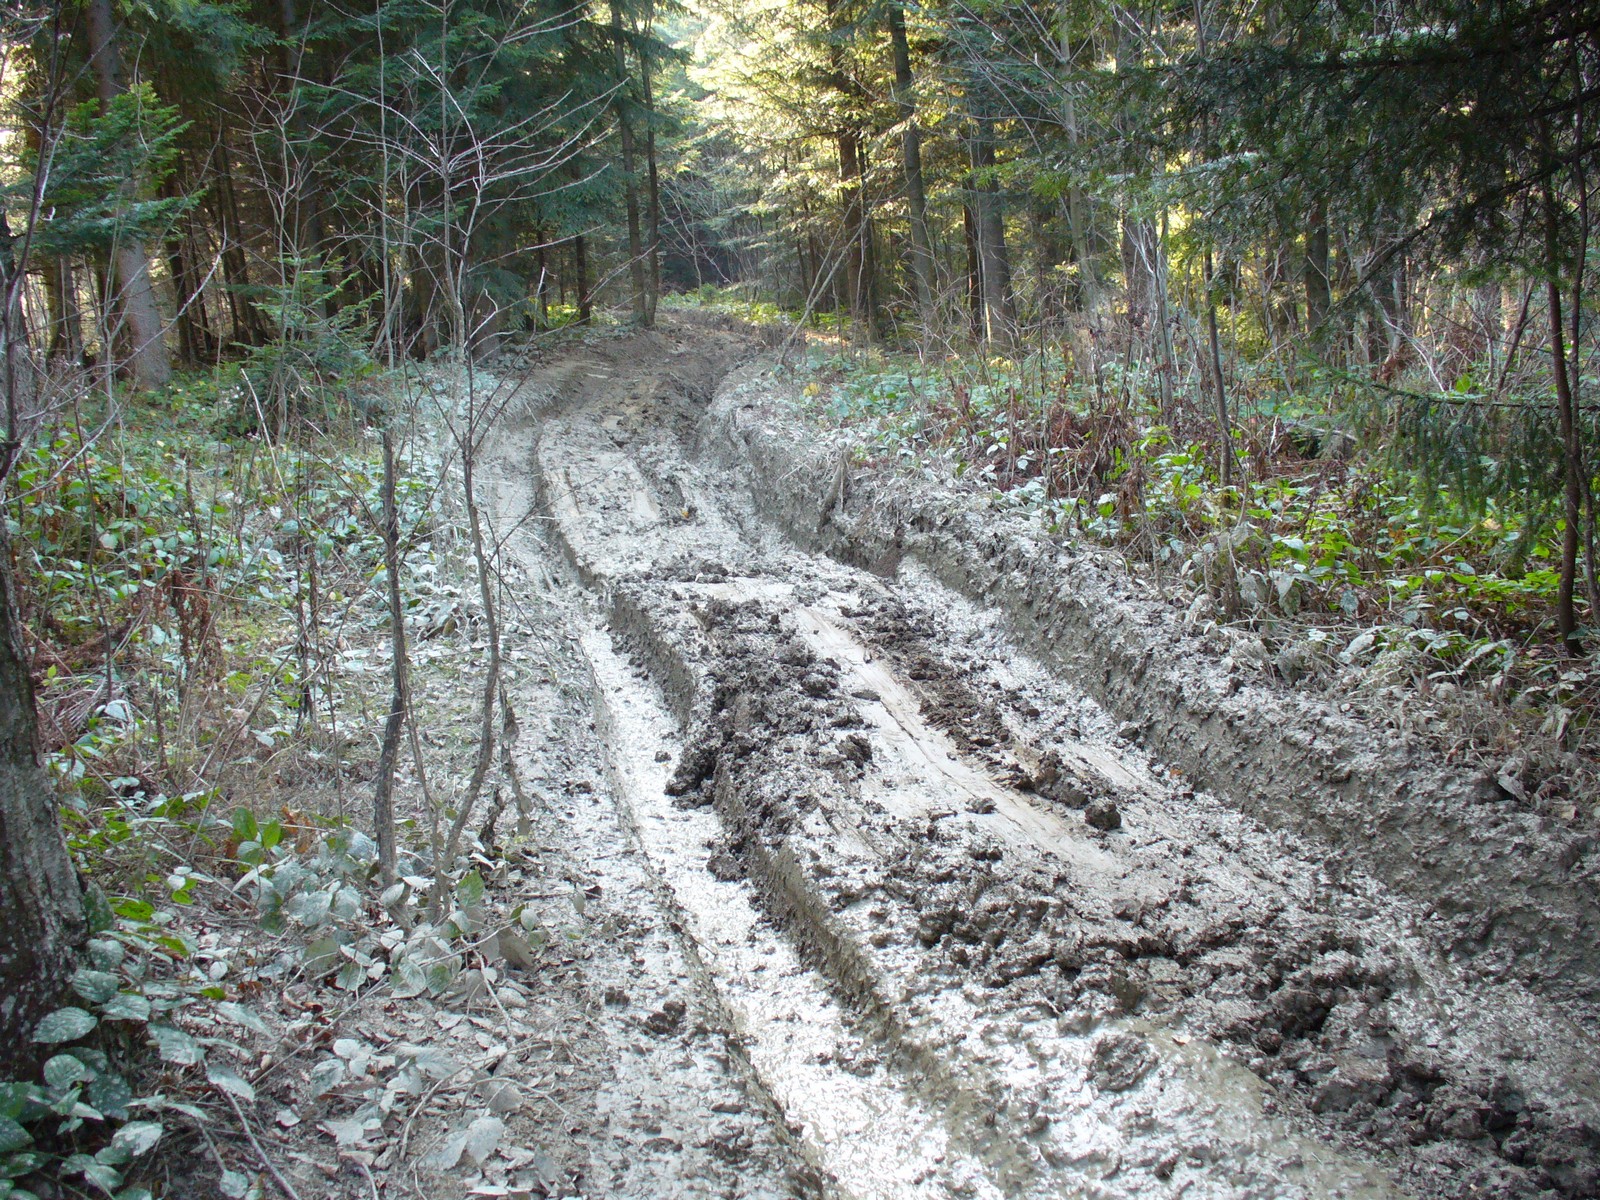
975, 946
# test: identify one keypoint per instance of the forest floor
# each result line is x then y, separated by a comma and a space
878, 848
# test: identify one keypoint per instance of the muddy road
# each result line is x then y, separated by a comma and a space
964, 934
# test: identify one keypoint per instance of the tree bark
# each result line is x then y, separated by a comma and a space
131, 291
652, 219
911, 154
1080, 215
1567, 417
969, 228
66, 322
1319, 295
999, 315
859, 260
630, 185
19, 376
41, 905
394, 724
580, 262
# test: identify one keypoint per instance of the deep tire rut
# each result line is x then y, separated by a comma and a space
972, 940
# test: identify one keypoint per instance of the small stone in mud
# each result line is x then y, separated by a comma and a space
816, 684
1487, 789
667, 1018
1065, 790
855, 748
663, 756
1128, 732
866, 693
1104, 815
616, 997
1119, 1061
1353, 1081
982, 805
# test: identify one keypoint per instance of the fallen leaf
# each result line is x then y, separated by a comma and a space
483, 1138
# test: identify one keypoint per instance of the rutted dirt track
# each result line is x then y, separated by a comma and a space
968, 937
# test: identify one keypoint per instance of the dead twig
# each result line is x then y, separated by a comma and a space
255, 1142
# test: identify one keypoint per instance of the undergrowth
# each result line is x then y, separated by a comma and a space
1340, 530
205, 608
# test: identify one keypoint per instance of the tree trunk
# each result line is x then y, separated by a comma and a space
247, 324
1224, 425
969, 227
194, 333
394, 724
1168, 367
132, 293
580, 262
911, 153
630, 185
19, 376
652, 218
66, 322
1079, 215
1567, 417
859, 260
1319, 296
41, 906
999, 316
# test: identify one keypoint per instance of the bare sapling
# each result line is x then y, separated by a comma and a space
399, 704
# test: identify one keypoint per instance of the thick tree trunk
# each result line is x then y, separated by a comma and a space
132, 293
66, 322
19, 376
41, 906
911, 154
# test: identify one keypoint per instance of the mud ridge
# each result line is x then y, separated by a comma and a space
1511, 895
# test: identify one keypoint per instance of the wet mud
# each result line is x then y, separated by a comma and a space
984, 910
